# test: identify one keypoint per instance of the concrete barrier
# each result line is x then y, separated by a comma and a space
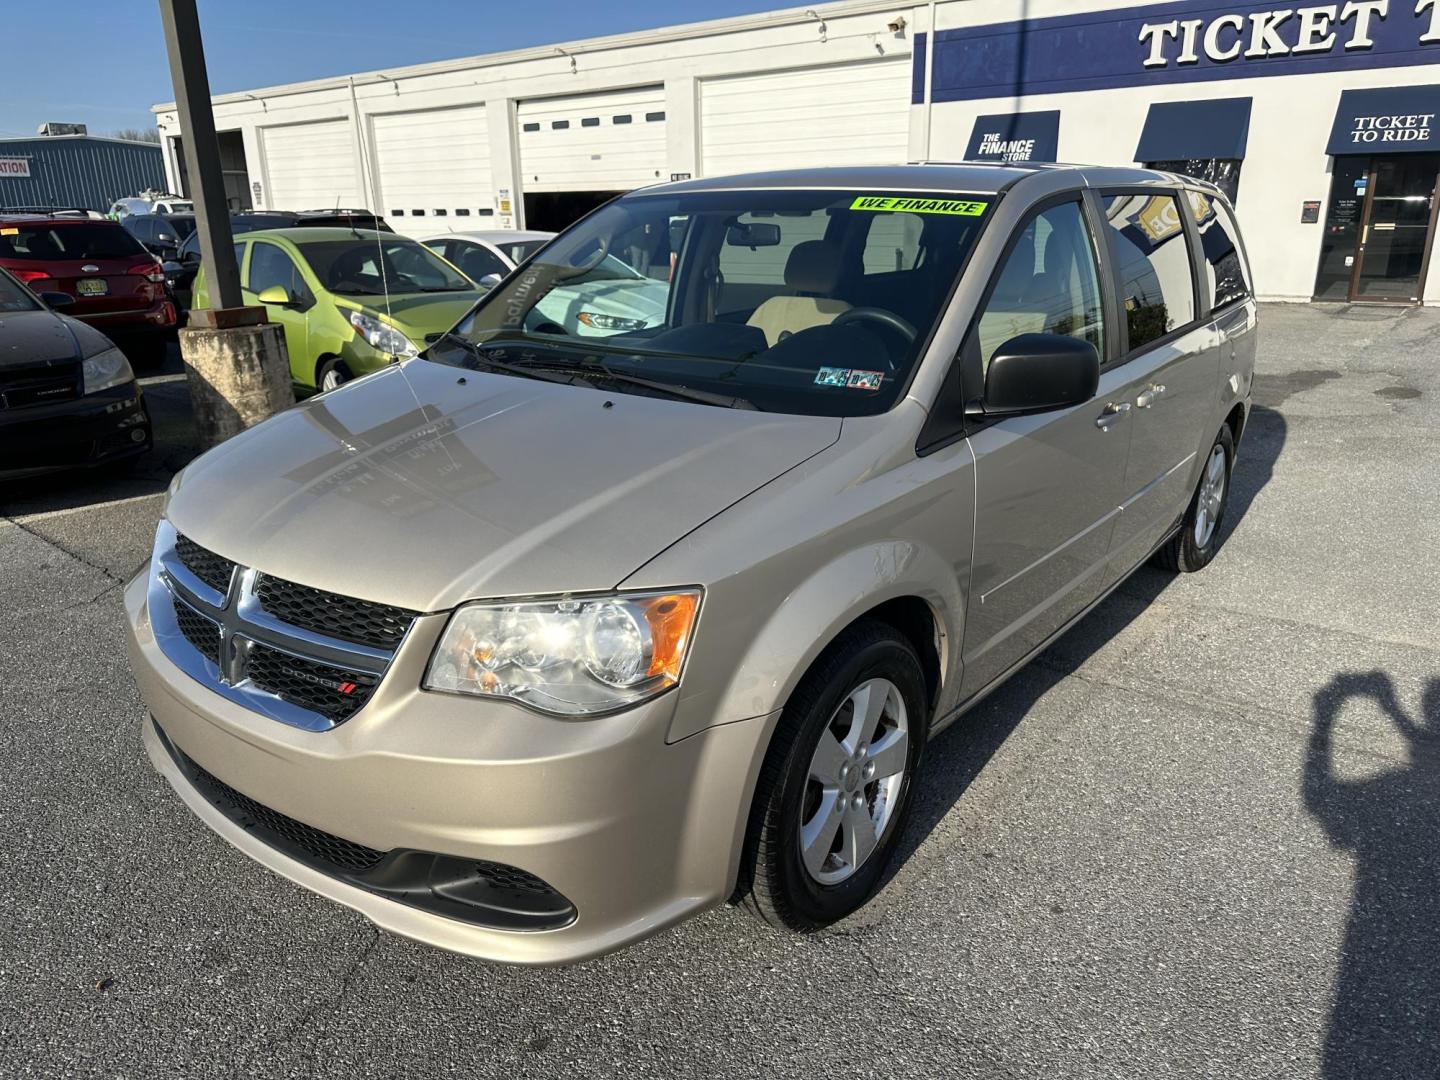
238, 376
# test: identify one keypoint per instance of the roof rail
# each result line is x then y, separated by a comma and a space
52, 211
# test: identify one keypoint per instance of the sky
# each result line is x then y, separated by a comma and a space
116, 69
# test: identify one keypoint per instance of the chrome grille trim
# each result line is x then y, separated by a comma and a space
242, 622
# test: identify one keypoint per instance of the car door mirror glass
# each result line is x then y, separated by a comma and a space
57, 300
1034, 373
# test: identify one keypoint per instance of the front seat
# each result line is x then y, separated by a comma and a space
813, 271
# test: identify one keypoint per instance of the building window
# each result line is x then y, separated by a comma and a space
559, 125
463, 211
417, 213
654, 116
590, 121
531, 127
397, 213
441, 213
1224, 173
623, 118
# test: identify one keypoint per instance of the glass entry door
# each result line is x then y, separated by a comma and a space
1395, 234
1378, 224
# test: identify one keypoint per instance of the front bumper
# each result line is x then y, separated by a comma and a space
635, 833
93, 430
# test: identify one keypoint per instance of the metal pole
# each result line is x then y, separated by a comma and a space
202, 150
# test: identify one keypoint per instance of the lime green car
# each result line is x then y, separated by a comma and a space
351, 300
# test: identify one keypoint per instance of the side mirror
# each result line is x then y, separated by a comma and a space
275, 294
1036, 373
188, 257
57, 300
489, 281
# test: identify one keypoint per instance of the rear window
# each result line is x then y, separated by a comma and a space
51, 242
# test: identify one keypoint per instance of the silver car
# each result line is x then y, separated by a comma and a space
532, 645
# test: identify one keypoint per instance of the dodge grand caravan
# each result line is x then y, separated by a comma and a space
536, 643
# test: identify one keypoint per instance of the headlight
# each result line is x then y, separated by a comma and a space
107, 369
382, 337
598, 321
569, 657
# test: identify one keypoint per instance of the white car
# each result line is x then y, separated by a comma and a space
614, 298
148, 204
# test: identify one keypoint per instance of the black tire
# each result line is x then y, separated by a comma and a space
774, 882
1182, 552
331, 364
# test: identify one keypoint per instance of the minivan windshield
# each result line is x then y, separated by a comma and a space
816, 302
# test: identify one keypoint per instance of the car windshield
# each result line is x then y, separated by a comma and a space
55, 242
14, 296
813, 302
379, 264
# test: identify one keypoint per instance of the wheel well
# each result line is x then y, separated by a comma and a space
915, 620
1236, 422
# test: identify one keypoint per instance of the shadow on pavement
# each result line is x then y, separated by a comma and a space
1386, 1016
959, 755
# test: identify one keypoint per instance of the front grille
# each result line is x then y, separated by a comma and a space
282, 831
212, 569
512, 878
333, 692
361, 621
38, 386
201, 631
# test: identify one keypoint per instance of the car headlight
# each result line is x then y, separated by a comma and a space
568, 657
383, 337
106, 369
597, 321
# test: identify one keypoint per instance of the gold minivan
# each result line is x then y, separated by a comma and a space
534, 644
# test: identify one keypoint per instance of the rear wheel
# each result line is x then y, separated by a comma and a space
834, 791
332, 374
1195, 544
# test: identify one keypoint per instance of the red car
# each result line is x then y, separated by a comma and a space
118, 286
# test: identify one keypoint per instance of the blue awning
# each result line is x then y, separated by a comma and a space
1179, 130
1033, 136
1392, 120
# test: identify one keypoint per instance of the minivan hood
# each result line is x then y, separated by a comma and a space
424, 486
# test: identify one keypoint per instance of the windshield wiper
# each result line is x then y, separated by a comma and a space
490, 363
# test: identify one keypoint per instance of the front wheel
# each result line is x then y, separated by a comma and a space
834, 791
1195, 544
333, 374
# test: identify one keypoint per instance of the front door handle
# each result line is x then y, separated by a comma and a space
1113, 412
1147, 397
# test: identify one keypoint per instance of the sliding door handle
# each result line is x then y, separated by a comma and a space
1147, 397
1112, 414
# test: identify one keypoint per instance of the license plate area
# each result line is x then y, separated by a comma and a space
91, 286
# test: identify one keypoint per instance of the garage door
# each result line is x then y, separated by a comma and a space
433, 165
312, 166
593, 142
845, 114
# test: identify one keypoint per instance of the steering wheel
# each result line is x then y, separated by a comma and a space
879, 315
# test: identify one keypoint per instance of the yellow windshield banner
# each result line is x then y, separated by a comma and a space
912, 205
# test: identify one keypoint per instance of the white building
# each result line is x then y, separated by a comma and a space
1321, 119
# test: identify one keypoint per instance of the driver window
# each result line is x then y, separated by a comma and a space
1048, 285
270, 266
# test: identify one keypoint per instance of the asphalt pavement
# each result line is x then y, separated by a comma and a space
1199, 837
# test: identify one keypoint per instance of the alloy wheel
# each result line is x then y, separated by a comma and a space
855, 780
1211, 497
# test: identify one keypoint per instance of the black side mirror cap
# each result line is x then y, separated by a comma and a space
57, 300
1035, 373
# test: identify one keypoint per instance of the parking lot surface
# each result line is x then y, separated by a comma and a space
1199, 837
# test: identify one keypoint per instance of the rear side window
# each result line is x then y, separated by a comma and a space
44, 242
892, 243
1152, 265
1049, 284
1227, 278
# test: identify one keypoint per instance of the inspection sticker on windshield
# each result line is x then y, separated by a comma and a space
832, 376
960, 207
9, 232
864, 380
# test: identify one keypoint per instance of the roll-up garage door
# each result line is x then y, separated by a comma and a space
433, 167
842, 114
593, 142
312, 166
